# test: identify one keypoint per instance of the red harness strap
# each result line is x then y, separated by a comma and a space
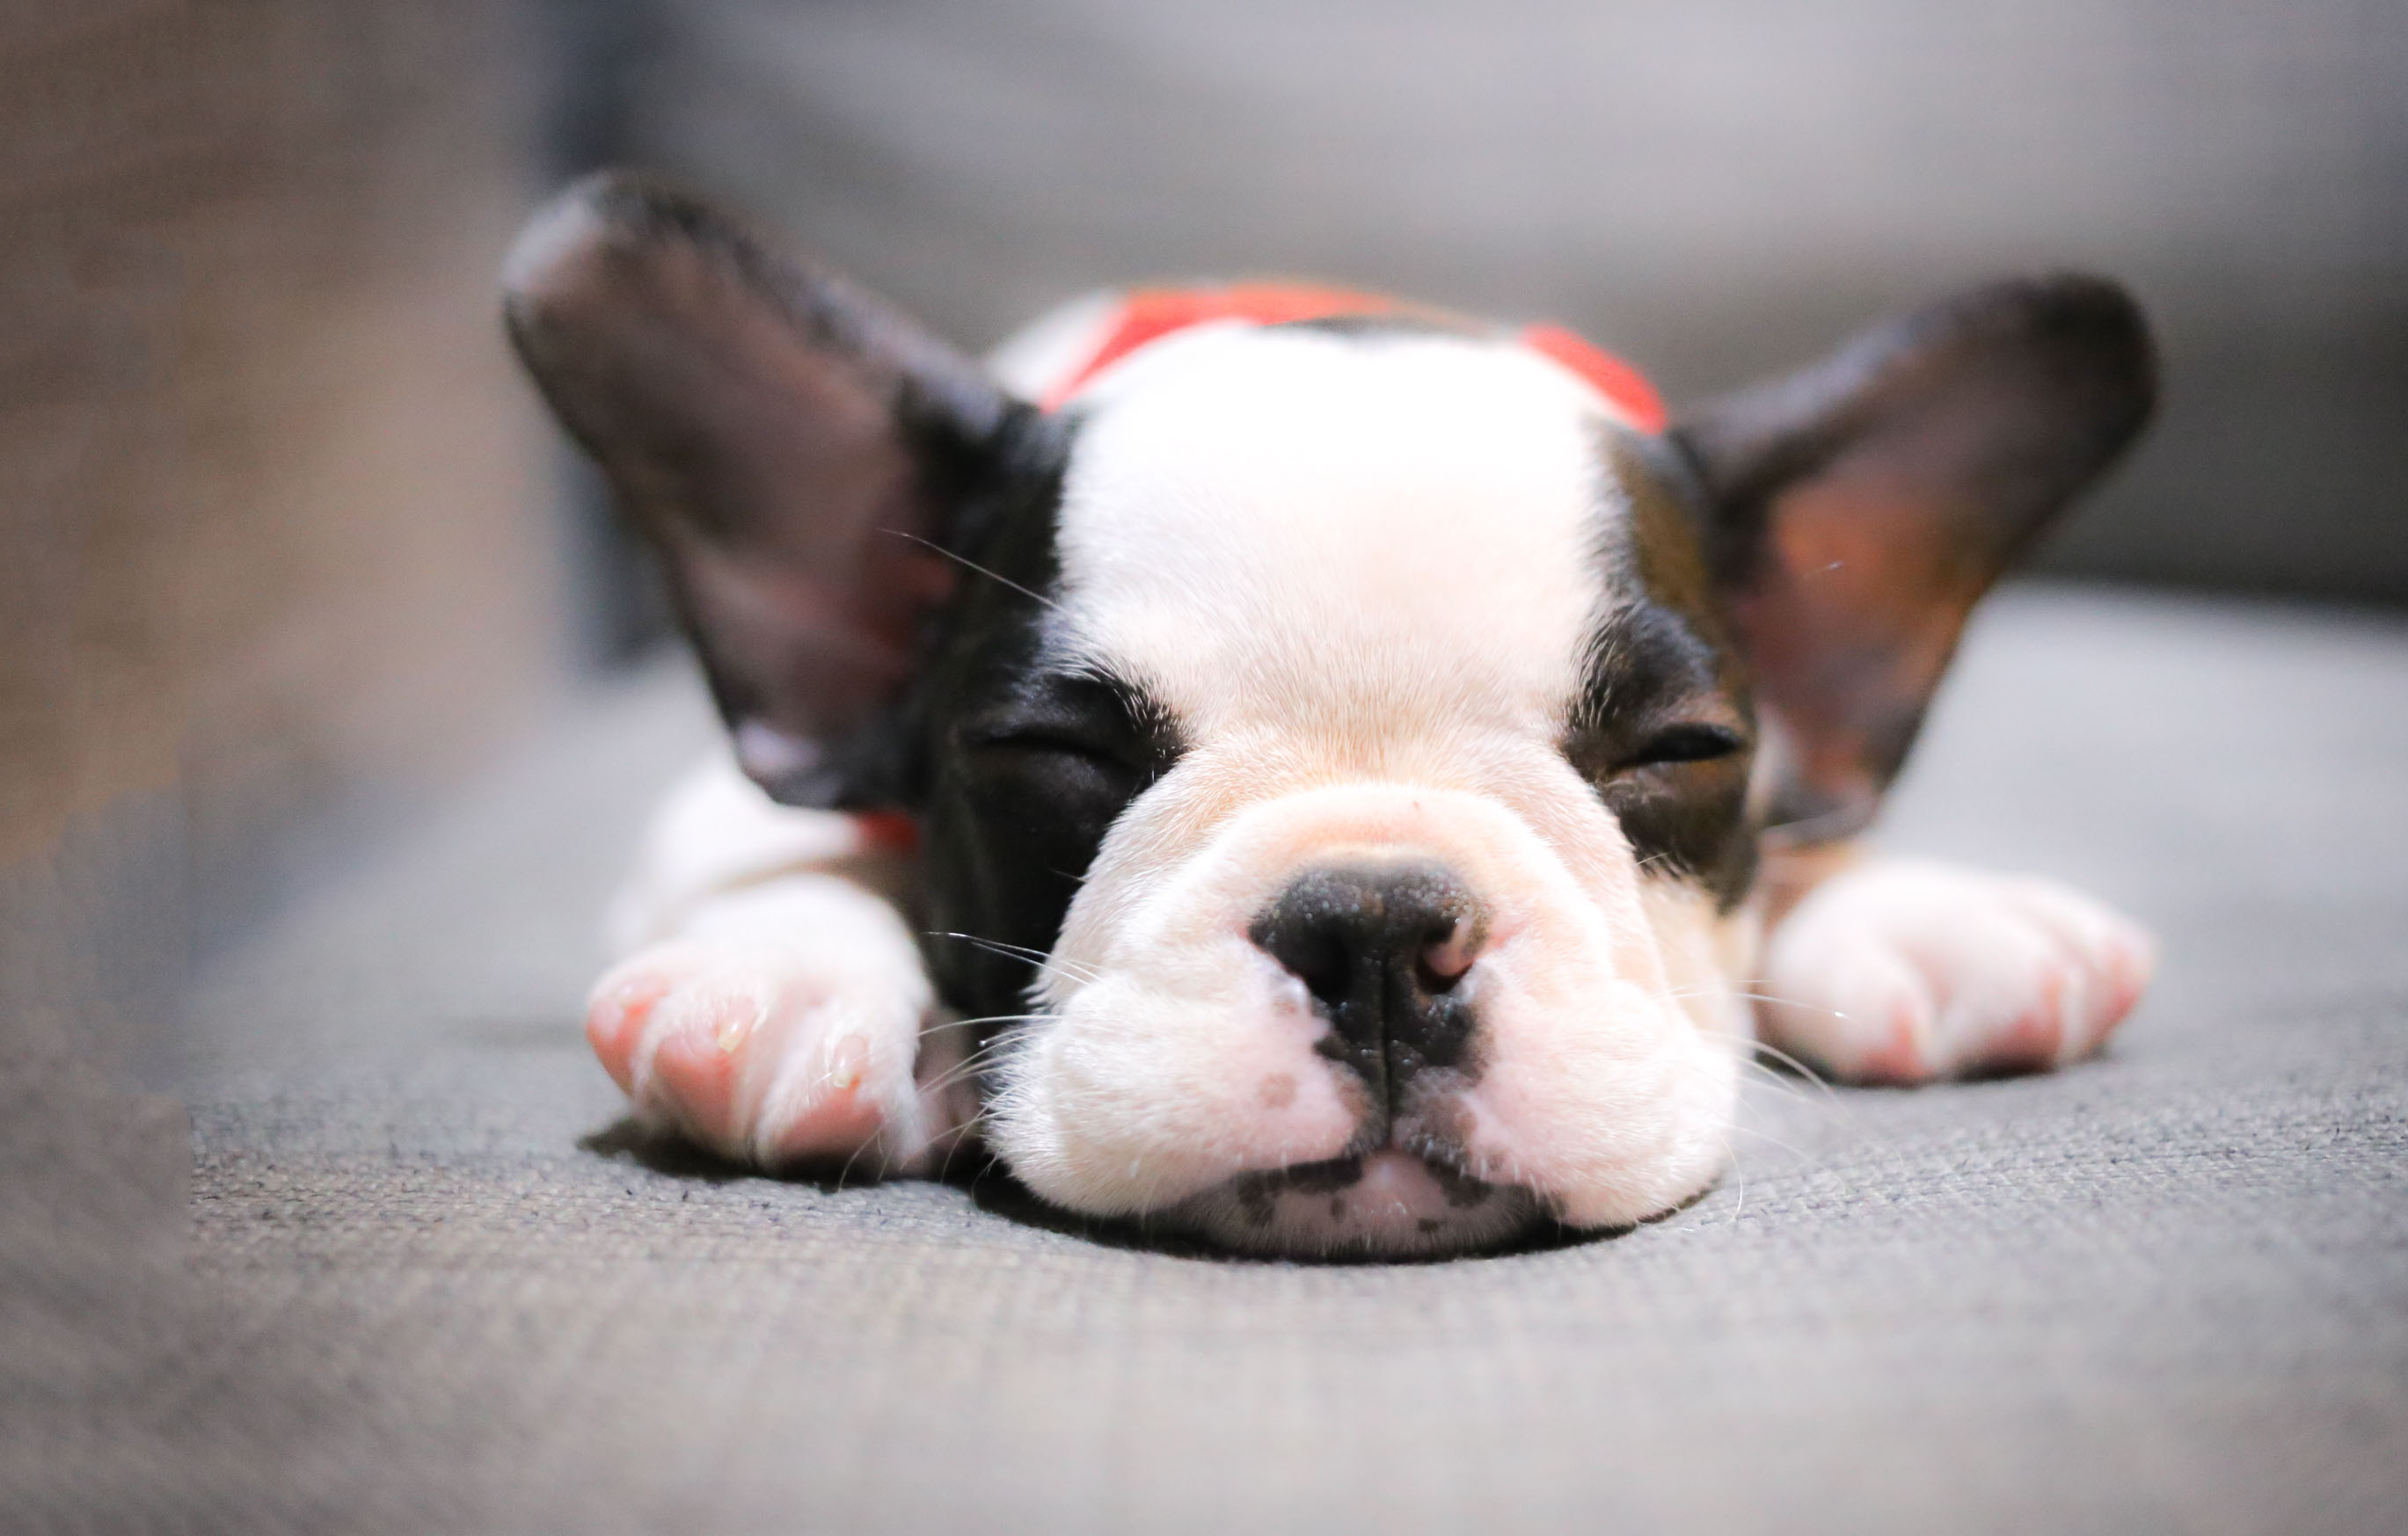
1148, 315
886, 831
1624, 387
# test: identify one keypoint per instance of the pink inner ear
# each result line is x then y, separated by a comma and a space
1876, 494
1850, 622
746, 406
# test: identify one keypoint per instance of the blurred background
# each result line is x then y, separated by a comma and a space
288, 547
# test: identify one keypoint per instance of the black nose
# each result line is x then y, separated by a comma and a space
1381, 947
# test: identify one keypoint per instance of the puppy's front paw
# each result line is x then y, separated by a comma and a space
768, 1061
1900, 971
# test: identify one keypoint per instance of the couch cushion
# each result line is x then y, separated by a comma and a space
2167, 1289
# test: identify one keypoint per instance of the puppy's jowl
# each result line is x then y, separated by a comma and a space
1319, 775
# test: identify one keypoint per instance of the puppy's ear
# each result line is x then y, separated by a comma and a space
792, 447
1859, 508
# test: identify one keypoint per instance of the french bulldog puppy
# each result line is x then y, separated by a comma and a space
1313, 773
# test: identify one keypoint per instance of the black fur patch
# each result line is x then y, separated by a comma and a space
1021, 761
1663, 727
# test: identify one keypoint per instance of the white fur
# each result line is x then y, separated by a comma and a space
773, 938
1902, 970
1315, 537
1362, 574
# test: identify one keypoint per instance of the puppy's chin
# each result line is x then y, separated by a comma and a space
1385, 1204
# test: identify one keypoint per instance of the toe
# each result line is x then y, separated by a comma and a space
2109, 958
676, 1031
827, 1107
2030, 1037
2130, 965
698, 1064
2117, 975
2008, 983
1862, 1013
620, 1011
1896, 1024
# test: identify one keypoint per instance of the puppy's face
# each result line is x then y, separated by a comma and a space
1353, 735
1341, 751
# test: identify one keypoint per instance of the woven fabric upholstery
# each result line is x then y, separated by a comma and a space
2167, 1291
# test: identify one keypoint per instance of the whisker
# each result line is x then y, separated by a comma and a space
846, 1171
1022, 952
1738, 1178
965, 1069
991, 1018
1738, 1172
1793, 1065
999, 946
1773, 1082
978, 1060
983, 1052
1756, 997
961, 1135
1790, 1002
1768, 1138
967, 563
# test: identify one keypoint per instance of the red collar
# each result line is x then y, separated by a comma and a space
1145, 315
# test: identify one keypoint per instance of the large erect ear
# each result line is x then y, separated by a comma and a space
790, 444
1862, 505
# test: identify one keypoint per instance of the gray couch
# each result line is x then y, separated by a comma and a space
429, 1285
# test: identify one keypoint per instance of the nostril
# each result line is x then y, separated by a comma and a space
1325, 967
1443, 961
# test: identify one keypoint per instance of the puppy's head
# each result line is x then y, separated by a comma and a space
1342, 751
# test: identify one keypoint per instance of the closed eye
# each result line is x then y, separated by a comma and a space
1042, 741
1048, 742
1687, 743
1070, 764
1072, 723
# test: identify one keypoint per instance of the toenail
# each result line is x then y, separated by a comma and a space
737, 1025
847, 1062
